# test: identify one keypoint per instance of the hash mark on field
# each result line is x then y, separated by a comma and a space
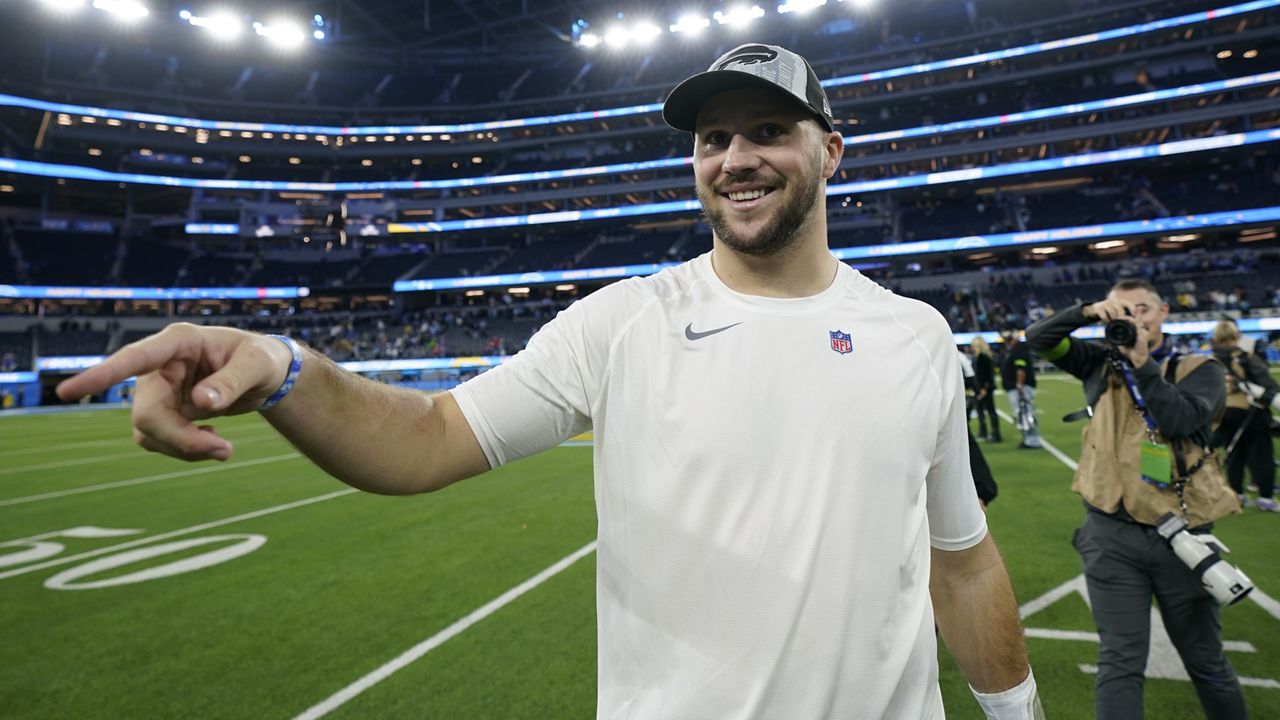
178, 533
143, 480
338, 699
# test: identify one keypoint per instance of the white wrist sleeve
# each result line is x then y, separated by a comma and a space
1020, 702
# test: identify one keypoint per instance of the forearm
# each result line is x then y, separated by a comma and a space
1044, 335
372, 436
977, 616
1050, 339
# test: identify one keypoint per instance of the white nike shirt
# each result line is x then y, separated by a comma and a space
767, 490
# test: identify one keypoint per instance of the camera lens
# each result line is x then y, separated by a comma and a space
1121, 333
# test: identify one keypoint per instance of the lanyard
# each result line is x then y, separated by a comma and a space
1131, 384
1179, 484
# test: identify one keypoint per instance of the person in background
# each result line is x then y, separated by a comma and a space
1018, 376
1144, 455
1245, 430
984, 372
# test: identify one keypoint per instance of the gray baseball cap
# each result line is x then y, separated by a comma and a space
749, 66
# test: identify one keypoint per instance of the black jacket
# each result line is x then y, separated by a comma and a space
1183, 410
984, 373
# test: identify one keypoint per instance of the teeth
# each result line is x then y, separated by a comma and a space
747, 195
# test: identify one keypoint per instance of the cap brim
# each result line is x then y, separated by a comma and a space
681, 108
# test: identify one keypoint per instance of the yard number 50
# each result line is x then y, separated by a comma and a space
43, 547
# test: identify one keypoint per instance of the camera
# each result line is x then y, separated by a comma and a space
1121, 333
1225, 582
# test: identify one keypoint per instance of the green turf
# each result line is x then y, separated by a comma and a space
350, 581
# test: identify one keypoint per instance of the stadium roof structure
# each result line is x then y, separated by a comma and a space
411, 26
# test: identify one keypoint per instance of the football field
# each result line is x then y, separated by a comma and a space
136, 586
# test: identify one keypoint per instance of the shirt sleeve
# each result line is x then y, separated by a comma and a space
537, 399
956, 520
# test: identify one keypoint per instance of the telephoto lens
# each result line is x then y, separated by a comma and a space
1225, 582
1121, 333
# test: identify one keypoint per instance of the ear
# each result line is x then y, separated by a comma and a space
833, 147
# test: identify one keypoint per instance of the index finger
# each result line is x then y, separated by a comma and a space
134, 359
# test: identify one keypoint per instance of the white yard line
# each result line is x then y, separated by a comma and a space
116, 438
338, 699
68, 446
69, 463
1062, 457
143, 480
177, 533
136, 452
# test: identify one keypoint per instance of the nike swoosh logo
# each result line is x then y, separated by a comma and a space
690, 333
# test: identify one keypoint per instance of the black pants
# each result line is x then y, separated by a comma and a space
1124, 565
987, 409
1254, 449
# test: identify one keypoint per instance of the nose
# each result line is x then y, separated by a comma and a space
741, 156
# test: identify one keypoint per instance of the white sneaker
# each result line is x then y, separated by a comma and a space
1267, 505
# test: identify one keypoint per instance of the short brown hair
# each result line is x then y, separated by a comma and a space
1136, 284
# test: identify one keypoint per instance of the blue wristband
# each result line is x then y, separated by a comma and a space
295, 367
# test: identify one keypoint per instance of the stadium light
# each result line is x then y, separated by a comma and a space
284, 34
617, 36
739, 15
644, 33
799, 6
691, 23
126, 10
589, 40
221, 25
63, 6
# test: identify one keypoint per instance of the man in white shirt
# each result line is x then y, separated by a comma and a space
781, 463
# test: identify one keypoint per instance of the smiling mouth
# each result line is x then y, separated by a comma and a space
747, 195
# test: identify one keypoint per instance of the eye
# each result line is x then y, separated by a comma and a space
771, 130
716, 137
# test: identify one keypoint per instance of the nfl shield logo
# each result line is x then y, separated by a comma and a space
841, 342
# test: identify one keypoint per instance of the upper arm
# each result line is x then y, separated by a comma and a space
533, 402
547, 393
460, 454
956, 519
951, 567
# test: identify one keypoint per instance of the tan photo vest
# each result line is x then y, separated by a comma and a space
1110, 471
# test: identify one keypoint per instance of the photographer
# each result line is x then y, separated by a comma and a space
1245, 430
1144, 457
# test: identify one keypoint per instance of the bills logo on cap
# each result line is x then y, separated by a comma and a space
841, 342
748, 55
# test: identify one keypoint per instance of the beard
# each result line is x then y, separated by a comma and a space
778, 233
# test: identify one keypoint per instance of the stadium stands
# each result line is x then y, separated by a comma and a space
339, 246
